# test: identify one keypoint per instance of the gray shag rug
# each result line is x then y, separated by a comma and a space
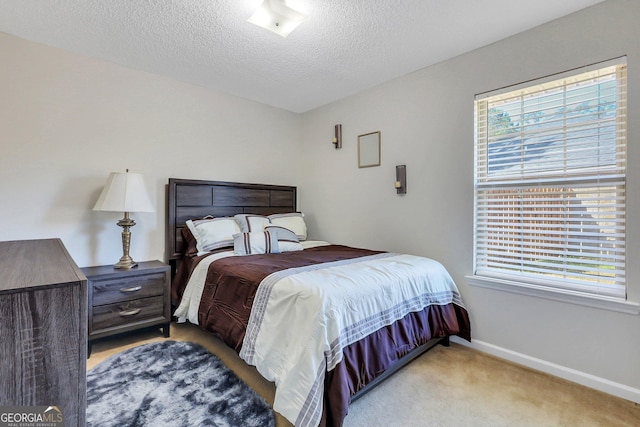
171, 383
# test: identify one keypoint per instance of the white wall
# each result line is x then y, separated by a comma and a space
67, 121
426, 120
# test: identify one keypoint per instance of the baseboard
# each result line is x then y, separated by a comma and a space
582, 378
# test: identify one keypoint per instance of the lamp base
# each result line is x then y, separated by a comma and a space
126, 262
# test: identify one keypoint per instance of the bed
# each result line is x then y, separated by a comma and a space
295, 308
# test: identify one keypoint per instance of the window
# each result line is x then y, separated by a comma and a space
550, 165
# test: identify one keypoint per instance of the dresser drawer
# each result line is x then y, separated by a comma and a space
110, 291
127, 312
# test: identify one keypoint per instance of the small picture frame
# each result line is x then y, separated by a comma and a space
369, 150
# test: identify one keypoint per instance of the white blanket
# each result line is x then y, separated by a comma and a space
303, 318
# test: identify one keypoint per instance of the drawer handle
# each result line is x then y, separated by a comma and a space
132, 289
128, 313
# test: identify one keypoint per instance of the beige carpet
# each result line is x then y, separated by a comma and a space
453, 386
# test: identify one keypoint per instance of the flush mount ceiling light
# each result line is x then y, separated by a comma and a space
276, 16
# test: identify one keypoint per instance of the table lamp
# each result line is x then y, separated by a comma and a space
124, 192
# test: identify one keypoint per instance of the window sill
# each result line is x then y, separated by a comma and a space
605, 303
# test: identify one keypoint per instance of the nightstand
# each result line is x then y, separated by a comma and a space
126, 300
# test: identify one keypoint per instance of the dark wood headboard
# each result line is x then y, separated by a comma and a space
190, 199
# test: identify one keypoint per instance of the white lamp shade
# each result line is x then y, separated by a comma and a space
124, 192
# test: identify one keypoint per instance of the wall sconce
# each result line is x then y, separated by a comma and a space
337, 138
401, 179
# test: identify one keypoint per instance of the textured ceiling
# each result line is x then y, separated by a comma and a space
343, 47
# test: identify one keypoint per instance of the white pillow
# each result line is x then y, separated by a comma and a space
249, 223
213, 233
259, 242
293, 221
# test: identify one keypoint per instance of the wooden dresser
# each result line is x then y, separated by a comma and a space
43, 328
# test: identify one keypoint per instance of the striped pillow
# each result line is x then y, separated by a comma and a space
249, 222
261, 242
287, 239
282, 234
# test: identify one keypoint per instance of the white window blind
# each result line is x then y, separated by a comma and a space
550, 166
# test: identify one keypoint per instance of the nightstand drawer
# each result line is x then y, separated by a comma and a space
110, 291
128, 312
123, 300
